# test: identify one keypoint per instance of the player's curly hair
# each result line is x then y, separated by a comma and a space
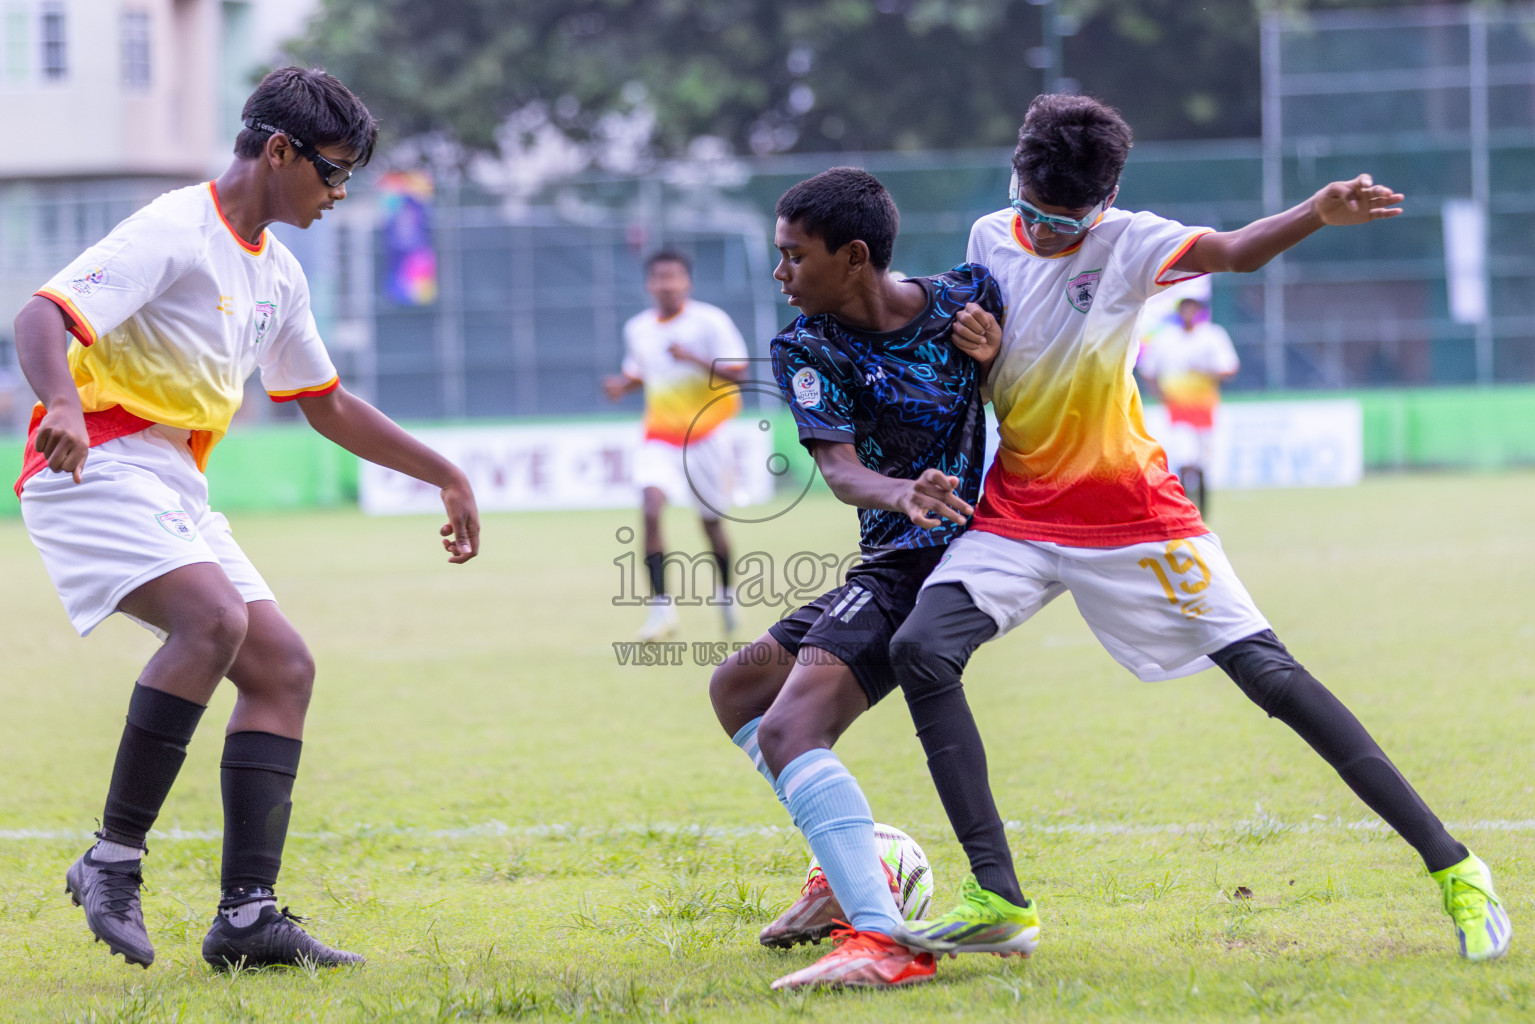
311, 104
841, 205
1071, 150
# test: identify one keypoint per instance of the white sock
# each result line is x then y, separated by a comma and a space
245, 914
105, 852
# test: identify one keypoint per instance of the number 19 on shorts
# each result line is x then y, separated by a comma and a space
1184, 577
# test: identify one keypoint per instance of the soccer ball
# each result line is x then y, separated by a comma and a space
906, 868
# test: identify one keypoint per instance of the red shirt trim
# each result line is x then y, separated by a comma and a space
1147, 505
100, 427
76, 323
314, 392
1070, 537
254, 250
1200, 416
1175, 257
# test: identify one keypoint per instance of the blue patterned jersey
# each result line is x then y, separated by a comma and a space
906, 400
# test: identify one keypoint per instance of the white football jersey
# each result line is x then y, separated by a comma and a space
680, 398
1173, 351
1077, 465
173, 311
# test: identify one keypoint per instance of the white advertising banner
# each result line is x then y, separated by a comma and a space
555, 466
1281, 444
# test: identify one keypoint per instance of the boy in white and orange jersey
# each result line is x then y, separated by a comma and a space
1185, 363
686, 354
170, 313
1080, 498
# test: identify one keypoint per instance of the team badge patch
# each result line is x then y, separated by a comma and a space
178, 524
266, 312
1080, 290
807, 388
87, 283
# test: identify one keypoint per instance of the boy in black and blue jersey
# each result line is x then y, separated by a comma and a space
884, 380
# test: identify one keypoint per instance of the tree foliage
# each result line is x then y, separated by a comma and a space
779, 75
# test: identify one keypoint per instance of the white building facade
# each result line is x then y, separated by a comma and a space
105, 104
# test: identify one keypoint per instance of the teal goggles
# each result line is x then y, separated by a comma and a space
1031, 214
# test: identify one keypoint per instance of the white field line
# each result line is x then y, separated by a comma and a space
496, 829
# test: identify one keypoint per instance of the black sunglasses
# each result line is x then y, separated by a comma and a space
332, 174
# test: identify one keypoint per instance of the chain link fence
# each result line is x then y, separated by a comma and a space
1438, 102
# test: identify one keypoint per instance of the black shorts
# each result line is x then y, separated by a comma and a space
856, 621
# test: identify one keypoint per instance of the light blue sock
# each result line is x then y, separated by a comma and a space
830, 809
746, 739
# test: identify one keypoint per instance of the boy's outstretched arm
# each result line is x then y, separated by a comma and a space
355, 425
1246, 249
923, 500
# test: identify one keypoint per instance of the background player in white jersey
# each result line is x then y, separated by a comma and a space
687, 355
1184, 364
170, 313
1080, 498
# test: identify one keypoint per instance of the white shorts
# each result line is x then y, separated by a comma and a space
698, 474
139, 511
1186, 445
1158, 607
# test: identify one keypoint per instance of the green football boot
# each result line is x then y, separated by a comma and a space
1480, 921
982, 923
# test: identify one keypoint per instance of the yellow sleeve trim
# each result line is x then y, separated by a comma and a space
313, 391
1163, 279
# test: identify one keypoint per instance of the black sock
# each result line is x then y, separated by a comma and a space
257, 775
1193, 480
1277, 683
149, 756
722, 559
653, 562
929, 652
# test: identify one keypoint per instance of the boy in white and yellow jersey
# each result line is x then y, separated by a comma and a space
1080, 499
170, 313
688, 356
1184, 364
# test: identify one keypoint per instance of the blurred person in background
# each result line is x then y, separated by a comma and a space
686, 355
1184, 364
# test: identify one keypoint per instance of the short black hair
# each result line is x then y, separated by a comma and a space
1071, 150
668, 256
841, 205
311, 104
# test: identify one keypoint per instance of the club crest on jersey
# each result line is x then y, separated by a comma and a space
266, 312
87, 283
178, 524
807, 388
1081, 289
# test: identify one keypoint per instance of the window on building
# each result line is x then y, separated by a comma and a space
15, 64
136, 49
55, 51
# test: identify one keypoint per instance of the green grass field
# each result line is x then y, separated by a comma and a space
512, 825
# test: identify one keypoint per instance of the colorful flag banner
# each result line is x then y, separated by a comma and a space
406, 201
